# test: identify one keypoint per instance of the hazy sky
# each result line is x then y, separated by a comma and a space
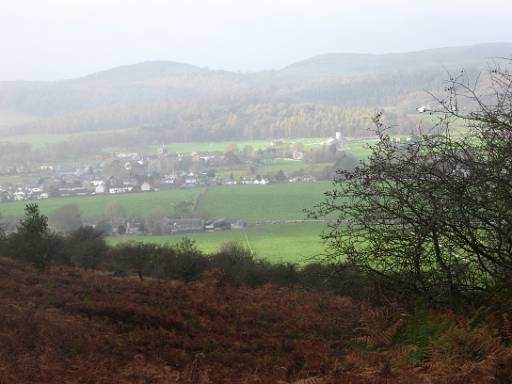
54, 39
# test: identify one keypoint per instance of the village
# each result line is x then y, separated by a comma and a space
160, 170
130, 172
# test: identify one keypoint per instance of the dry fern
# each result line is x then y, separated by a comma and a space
506, 329
311, 380
195, 372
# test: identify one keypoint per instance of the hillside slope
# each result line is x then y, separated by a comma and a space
71, 326
353, 64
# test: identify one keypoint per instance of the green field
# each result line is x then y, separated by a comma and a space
38, 141
290, 166
251, 203
9, 118
276, 243
4, 180
136, 204
256, 203
221, 145
272, 167
41, 140
359, 149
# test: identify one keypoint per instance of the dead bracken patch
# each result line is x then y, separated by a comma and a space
71, 326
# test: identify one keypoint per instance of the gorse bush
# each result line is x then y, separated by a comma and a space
134, 257
238, 265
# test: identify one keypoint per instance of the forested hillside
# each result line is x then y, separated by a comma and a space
335, 92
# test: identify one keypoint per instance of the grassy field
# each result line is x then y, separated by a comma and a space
251, 203
273, 242
290, 166
254, 203
8, 118
359, 149
41, 140
136, 204
221, 145
38, 141
271, 168
5, 180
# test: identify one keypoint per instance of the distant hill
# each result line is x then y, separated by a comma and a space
169, 100
144, 71
349, 64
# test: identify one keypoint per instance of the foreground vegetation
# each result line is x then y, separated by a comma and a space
35, 244
69, 325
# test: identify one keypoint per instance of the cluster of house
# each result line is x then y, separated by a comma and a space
135, 172
253, 181
10, 193
175, 226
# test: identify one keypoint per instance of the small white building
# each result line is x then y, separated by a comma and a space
145, 187
100, 188
19, 196
114, 191
97, 182
298, 155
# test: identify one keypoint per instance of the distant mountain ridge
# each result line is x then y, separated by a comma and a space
350, 63
144, 71
178, 100
328, 63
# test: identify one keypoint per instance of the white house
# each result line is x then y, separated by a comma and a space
100, 188
145, 187
18, 196
298, 155
114, 191
97, 182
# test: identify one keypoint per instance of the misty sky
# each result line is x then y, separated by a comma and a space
55, 39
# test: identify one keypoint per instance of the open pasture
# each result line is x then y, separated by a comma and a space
251, 203
257, 203
135, 204
220, 146
295, 243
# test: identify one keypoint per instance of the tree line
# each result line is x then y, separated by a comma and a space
199, 121
36, 245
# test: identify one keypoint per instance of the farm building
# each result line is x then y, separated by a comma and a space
184, 225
